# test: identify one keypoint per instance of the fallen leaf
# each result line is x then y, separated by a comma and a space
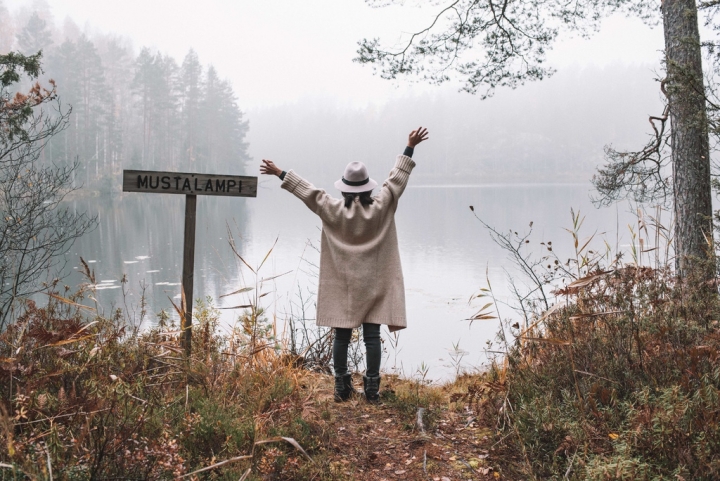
400, 471
388, 420
613, 436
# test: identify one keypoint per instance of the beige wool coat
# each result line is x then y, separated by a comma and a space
361, 278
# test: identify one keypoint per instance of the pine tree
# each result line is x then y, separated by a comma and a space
35, 36
81, 79
142, 87
223, 127
63, 148
190, 91
117, 60
92, 107
166, 97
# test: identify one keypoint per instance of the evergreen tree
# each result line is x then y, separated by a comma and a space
142, 87
92, 107
166, 97
190, 91
63, 147
35, 36
222, 123
80, 74
211, 121
155, 87
118, 73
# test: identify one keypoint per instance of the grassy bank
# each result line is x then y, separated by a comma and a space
620, 381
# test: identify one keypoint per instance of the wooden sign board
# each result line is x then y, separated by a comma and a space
189, 184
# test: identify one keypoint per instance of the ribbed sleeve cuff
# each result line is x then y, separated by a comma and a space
404, 163
296, 185
291, 181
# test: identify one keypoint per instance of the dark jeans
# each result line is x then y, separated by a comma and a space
373, 351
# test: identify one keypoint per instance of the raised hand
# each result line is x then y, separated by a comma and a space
270, 168
417, 136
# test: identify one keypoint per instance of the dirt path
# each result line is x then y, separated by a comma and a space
384, 442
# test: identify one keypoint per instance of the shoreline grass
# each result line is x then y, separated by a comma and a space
619, 380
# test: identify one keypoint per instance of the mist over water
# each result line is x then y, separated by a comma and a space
446, 255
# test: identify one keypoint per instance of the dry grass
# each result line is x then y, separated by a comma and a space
621, 382
84, 398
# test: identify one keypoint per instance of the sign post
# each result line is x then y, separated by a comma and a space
191, 185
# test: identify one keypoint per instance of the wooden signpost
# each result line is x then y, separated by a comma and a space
191, 185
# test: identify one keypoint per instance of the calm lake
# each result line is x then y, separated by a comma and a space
446, 253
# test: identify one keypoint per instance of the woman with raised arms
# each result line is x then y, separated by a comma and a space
361, 280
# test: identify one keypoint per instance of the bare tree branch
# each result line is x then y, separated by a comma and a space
639, 174
35, 229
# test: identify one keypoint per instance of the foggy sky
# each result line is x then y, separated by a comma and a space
280, 51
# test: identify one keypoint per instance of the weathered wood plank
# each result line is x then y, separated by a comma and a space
188, 183
188, 273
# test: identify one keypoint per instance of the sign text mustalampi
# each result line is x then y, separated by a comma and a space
189, 184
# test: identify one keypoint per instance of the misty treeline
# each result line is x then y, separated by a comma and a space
129, 110
551, 132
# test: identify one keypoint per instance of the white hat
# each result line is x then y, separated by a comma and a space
355, 179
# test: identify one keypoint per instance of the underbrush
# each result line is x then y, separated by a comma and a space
620, 381
81, 398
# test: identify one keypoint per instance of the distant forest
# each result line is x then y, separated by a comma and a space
129, 110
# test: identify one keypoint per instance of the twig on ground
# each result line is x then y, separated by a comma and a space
419, 422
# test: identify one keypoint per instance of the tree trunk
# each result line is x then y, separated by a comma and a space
689, 137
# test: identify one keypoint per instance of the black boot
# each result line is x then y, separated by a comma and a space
372, 388
343, 387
